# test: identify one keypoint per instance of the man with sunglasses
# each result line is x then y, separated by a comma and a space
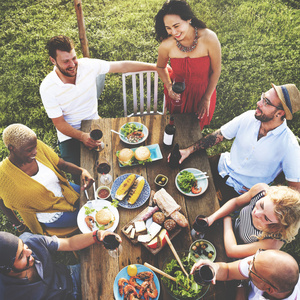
264, 146
270, 274
28, 271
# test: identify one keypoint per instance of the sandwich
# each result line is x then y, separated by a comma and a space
142, 155
126, 157
105, 218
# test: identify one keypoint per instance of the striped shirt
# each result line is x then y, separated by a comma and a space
244, 229
75, 102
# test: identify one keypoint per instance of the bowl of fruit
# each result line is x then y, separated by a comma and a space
203, 249
183, 288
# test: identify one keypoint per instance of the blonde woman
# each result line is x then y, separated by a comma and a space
269, 217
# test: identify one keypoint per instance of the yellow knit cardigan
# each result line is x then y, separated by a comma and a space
22, 193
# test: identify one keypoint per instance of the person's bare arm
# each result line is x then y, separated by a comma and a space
130, 66
81, 241
214, 52
240, 251
87, 179
204, 143
236, 203
223, 271
65, 128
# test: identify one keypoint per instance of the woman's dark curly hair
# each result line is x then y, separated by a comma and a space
174, 7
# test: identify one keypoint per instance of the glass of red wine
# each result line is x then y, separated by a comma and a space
204, 275
199, 228
103, 167
178, 87
112, 244
96, 134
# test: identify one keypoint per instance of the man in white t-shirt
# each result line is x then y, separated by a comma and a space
264, 146
69, 93
270, 274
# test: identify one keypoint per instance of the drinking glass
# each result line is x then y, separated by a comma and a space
204, 275
112, 244
199, 228
96, 134
103, 167
178, 87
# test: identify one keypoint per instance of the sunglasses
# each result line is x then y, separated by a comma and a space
267, 102
252, 267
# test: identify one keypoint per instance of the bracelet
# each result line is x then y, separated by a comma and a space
95, 237
17, 226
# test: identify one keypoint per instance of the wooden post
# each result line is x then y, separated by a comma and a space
81, 28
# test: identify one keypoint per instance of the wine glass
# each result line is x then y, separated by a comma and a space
199, 228
103, 167
96, 134
178, 87
112, 244
204, 275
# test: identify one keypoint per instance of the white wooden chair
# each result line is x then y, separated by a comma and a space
100, 81
151, 93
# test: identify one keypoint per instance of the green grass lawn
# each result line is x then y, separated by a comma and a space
259, 39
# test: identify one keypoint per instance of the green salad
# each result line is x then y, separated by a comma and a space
186, 180
129, 128
188, 289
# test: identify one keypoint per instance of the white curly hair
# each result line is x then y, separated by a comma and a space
17, 135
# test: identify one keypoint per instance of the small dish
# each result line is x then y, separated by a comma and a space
200, 253
103, 192
161, 180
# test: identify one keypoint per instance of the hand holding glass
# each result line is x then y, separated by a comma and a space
112, 244
199, 228
103, 168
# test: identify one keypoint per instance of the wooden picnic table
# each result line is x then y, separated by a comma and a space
98, 269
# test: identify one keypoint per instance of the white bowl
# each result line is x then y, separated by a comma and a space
104, 188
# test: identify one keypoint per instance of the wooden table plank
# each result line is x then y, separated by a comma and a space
98, 268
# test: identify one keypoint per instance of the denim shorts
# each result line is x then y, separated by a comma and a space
75, 275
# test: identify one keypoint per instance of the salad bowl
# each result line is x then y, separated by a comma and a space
129, 128
170, 266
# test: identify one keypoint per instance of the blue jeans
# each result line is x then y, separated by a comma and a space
70, 152
68, 218
75, 275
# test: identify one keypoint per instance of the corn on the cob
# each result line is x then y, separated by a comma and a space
136, 190
125, 187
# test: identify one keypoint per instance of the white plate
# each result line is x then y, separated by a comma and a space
123, 274
97, 205
144, 196
145, 132
203, 183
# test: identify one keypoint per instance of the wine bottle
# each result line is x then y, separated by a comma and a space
175, 157
169, 134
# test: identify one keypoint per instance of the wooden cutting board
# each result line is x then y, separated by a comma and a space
172, 234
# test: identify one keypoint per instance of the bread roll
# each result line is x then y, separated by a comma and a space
158, 218
170, 224
179, 218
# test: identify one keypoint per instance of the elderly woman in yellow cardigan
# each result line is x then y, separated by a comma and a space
32, 182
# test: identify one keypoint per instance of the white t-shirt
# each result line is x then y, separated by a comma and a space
50, 181
254, 292
75, 102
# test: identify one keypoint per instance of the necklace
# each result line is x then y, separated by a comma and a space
192, 47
